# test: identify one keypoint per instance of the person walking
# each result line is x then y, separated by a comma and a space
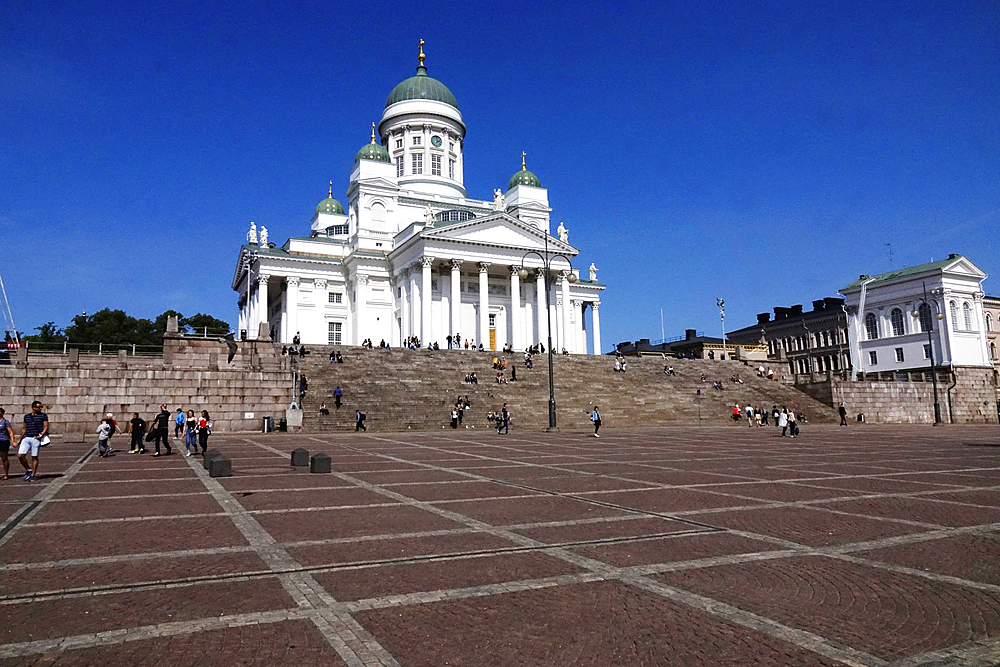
749, 413
595, 417
454, 418
191, 434
6, 438
103, 433
360, 424
338, 395
36, 427
137, 427
843, 414
783, 420
204, 430
161, 431
179, 421
793, 428
504, 421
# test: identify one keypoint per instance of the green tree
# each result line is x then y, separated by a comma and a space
113, 327
197, 324
47, 333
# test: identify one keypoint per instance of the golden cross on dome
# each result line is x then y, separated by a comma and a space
421, 56
331, 189
523, 167
373, 132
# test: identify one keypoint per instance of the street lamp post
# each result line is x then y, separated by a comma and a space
721, 303
546, 268
930, 345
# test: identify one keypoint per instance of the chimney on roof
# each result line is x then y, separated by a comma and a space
797, 309
780, 312
690, 334
818, 304
763, 318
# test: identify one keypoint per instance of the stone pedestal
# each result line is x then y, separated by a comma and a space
300, 457
209, 455
220, 467
294, 417
320, 463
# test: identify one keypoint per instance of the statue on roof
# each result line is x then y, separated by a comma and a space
252, 234
563, 233
593, 272
428, 216
499, 201
263, 235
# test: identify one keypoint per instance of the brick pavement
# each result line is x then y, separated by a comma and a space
721, 546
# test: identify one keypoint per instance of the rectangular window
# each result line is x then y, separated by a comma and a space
451, 169
416, 140
399, 143
493, 321
335, 297
873, 358
333, 333
899, 354
451, 146
399, 165
927, 350
418, 163
435, 165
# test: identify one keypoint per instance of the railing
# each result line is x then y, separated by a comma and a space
95, 348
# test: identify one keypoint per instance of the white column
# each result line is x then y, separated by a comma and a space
242, 324
596, 307
484, 304
516, 332
292, 306
361, 301
261, 302
528, 317
581, 310
567, 337
414, 304
543, 305
456, 297
945, 332
425, 300
404, 303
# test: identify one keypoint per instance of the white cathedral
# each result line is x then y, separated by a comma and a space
414, 256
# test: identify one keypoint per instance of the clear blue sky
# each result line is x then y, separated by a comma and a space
764, 153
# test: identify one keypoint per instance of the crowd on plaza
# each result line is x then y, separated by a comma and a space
194, 430
784, 419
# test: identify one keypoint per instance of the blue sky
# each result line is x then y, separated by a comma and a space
763, 153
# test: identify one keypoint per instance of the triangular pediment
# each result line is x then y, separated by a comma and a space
499, 230
964, 267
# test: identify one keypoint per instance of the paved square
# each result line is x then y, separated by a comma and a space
676, 546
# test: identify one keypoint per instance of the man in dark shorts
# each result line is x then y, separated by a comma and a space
161, 431
6, 437
36, 427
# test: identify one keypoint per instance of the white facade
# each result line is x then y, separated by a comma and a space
412, 255
888, 332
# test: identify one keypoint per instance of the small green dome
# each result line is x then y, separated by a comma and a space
373, 151
330, 205
524, 177
421, 87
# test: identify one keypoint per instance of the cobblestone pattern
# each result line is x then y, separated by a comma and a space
680, 546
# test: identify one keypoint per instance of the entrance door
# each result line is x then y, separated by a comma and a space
493, 338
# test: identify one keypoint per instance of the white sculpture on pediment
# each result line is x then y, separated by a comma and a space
252, 234
593, 272
563, 233
263, 235
499, 201
428, 216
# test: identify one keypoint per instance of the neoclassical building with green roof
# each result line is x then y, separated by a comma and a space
410, 254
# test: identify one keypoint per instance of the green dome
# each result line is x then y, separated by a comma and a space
330, 205
421, 87
373, 151
524, 177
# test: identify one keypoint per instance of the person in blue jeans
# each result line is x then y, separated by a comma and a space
6, 437
191, 434
504, 421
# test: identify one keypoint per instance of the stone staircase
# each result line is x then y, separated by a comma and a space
415, 389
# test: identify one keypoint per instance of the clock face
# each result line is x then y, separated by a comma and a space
436, 141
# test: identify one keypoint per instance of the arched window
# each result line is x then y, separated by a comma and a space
378, 216
993, 351
989, 322
897, 322
871, 325
926, 321
953, 310
967, 316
